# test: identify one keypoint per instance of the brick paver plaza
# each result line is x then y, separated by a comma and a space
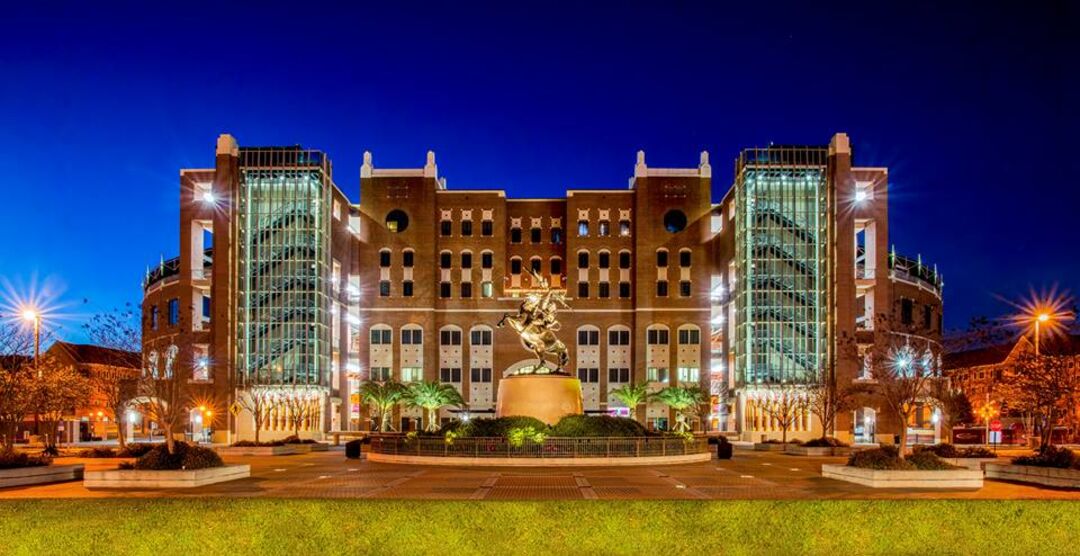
749, 475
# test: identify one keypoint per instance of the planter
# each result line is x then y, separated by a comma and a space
1048, 476
41, 474
969, 463
138, 478
285, 450
878, 478
817, 451
305, 448
770, 447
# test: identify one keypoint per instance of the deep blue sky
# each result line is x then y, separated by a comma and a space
972, 107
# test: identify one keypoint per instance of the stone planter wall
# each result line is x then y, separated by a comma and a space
969, 463
1048, 476
138, 478
305, 448
770, 447
876, 478
40, 475
818, 451
285, 450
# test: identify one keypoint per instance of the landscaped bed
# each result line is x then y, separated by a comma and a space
249, 448
306, 526
774, 445
22, 469
1057, 467
827, 446
188, 466
972, 457
882, 468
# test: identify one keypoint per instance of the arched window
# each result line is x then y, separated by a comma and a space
583, 259
588, 335
487, 259
408, 258
152, 364
689, 335
624, 259
412, 335
604, 259
619, 335
535, 264
556, 266
661, 258
445, 259
466, 259
657, 335
480, 335
170, 360
384, 258
515, 265
684, 257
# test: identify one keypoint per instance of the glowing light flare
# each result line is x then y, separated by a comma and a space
35, 302
1048, 309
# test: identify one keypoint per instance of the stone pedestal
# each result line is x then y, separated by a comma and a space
545, 397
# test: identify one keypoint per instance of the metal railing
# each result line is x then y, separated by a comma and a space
495, 447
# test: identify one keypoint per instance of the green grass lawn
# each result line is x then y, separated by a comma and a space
196, 527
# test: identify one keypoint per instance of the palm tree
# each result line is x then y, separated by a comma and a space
682, 399
383, 396
632, 395
432, 396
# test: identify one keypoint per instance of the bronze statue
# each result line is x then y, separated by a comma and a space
535, 322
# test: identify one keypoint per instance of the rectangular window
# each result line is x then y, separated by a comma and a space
412, 374
487, 259
384, 258
624, 260
617, 375
466, 228
624, 228
661, 288
657, 337
535, 264
624, 290
515, 266
380, 374
486, 289
481, 337
449, 375
445, 260
604, 259
684, 288
384, 288
583, 228
515, 235
618, 337
535, 234
656, 374
689, 374
583, 289
174, 311
604, 290
589, 375
450, 337
907, 310
689, 336
604, 228
480, 374
556, 266
466, 290
153, 317
444, 290
583, 259
407, 288
588, 337
380, 337
556, 236
487, 228
466, 260
661, 259
206, 308
927, 316
684, 258
407, 258
445, 228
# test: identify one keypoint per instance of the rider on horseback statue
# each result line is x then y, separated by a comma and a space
536, 324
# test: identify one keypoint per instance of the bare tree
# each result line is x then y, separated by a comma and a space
16, 381
826, 399
785, 403
302, 406
165, 392
903, 378
1043, 386
260, 400
953, 404
118, 330
58, 390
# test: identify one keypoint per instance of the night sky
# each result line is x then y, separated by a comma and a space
972, 108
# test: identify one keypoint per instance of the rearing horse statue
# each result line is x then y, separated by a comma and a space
536, 324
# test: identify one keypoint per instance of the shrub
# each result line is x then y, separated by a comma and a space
578, 426
294, 439
946, 450
519, 435
10, 459
1051, 456
51, 451
826, 442
136, 450
887, 458
253, 444
497, 427
97, 453
187, 456
778, 441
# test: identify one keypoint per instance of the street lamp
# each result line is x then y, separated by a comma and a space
1039, 319
30, 315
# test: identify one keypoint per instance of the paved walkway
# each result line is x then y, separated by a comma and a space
750, 475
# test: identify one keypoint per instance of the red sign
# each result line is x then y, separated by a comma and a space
995, 425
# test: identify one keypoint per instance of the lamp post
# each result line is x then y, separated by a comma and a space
1040, 318
35, 317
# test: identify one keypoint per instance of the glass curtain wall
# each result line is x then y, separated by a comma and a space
283, 321
781, 253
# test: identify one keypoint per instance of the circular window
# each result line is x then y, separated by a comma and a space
397, 221
675, 221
